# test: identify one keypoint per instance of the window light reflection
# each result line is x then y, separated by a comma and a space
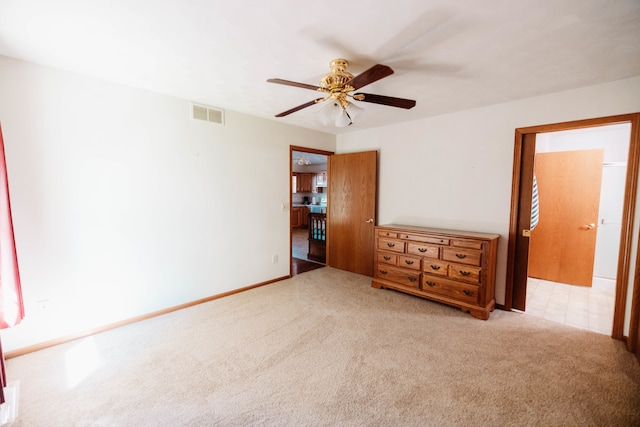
81, 361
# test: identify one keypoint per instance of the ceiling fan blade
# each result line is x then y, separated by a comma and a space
388, 100
369, 76
300, 107
296, 84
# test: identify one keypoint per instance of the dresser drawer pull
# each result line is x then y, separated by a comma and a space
432, 284
387, 258
465, 273
468, 293
391, 244
422, 249
461, 256
408, 261
435, 267
383, 271
412, 279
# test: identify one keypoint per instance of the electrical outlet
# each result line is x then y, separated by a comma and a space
43, 305
274, 259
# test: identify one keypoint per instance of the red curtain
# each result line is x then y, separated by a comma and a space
11, 305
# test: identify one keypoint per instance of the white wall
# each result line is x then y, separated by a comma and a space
455, 170
123, 205
614, 139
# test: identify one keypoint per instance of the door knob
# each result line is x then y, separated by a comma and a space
369, 221
588, 226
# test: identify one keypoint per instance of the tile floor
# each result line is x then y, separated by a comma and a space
578, 306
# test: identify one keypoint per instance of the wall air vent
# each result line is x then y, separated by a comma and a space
208, 114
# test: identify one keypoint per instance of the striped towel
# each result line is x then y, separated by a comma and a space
535, 208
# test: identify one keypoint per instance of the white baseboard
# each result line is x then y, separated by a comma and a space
603, 283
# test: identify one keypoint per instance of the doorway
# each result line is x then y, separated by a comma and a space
573, 248
351, 203
519, 228
308, 201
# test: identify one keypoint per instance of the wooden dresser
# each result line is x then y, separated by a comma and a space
453, 267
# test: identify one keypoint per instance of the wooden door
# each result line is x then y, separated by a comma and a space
562, 246
351, 209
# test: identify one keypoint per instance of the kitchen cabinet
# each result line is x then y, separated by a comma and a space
320, 182
295, 217
304, 182
305, 217
299, 217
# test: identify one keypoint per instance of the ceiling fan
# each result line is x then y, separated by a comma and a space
338, 85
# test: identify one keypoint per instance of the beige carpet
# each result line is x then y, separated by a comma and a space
324, 348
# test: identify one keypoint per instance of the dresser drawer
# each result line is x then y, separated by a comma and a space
465, 273
402, 276
385, 233
423, 249
407, 261
462, 256
391, 245
469, 244
387, 258
434, 266
426, 239
459, 291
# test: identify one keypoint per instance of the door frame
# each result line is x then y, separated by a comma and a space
293, 148
517, 252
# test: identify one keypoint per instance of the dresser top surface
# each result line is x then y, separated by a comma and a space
440, 231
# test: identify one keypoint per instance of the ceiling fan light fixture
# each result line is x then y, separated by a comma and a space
303, 161
338, 111
341, 114
329, 112
354, 111
343, 119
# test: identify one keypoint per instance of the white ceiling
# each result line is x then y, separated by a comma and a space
447, 55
